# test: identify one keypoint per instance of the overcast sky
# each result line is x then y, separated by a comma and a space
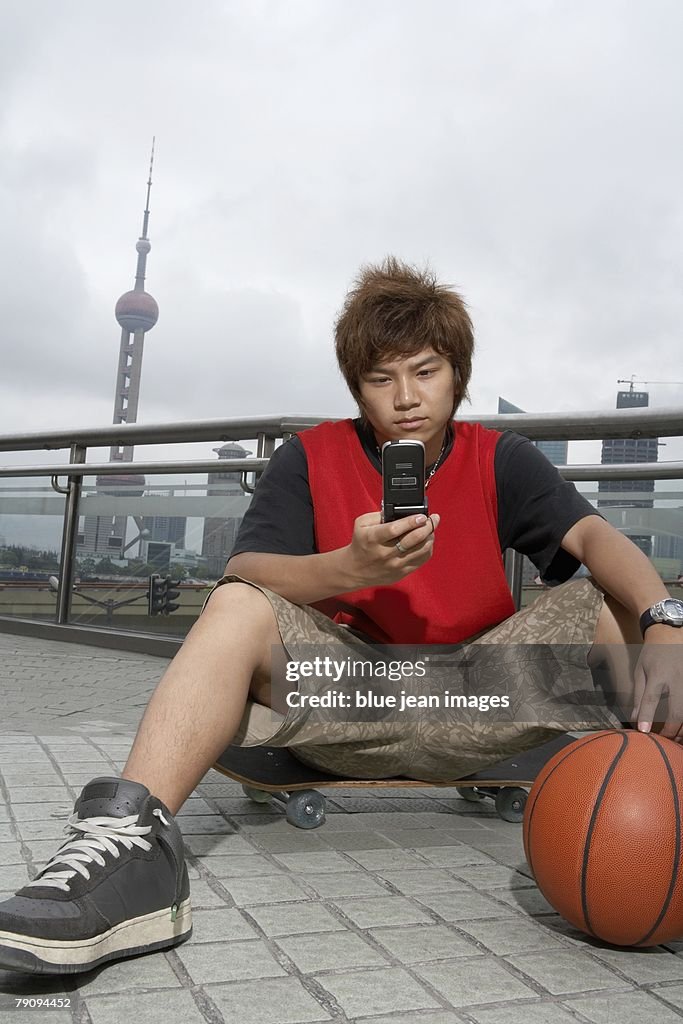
530, 151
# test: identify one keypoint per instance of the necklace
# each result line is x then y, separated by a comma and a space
436, 464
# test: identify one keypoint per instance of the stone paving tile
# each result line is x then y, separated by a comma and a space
375, 911
144, 1007
378, 860
43, 850
33, 830
420, 1017
330, 951
467, 982
645, 967
40, 811
453, 857
135, 974
13, 876
464, 906
528, 901
194, 805
383, 990
354, 883
205, 824
265, 889
672, 994
561, 973
414, 837
515, 935
626, 1008
217, 845
240, 867
419, 943
44, 777
271, 1001
29, 1016
379, 821
410, 883
10, 853
294, 841
358, 841
202, 895
295, 919
317, 863
39, 794
221, 925
543, 1013
211, 961
494, 876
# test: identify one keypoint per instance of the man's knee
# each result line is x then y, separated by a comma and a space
240, 602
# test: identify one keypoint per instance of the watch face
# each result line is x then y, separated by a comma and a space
673, 610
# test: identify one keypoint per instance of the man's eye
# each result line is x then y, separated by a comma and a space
379, 380
426, 373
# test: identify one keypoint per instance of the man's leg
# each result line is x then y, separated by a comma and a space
198, 704
118, 884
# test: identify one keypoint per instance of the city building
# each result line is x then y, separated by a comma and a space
630, 493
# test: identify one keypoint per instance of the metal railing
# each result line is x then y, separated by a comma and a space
598, 425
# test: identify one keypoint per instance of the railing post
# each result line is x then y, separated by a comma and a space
69, 537
514, 563
265, 446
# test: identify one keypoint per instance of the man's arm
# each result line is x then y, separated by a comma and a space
370, 560
616, 563
302, 579
625, 573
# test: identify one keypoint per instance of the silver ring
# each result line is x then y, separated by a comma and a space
398, 547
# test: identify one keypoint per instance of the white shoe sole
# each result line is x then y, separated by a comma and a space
56, 956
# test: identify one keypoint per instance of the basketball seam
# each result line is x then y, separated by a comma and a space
566, 754
591, 827
677, 855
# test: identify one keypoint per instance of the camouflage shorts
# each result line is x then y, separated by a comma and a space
536, 658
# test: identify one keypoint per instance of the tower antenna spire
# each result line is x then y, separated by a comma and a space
145, 219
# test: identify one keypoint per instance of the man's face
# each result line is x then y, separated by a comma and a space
410, 397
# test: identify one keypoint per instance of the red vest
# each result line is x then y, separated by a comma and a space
462, 589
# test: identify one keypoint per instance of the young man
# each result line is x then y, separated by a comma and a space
313, 537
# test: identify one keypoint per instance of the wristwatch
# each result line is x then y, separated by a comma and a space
669, 612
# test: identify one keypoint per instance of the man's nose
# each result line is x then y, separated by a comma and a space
405, 396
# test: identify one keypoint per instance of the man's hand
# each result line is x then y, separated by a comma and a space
373, 556
658, 675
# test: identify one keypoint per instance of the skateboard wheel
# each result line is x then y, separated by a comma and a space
510, 803
259, 796
306, 809
469, 793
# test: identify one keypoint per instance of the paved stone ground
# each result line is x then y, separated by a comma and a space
407, 906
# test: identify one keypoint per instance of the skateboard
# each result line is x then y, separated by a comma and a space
274, 773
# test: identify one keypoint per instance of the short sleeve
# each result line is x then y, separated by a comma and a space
536, 507
279, 519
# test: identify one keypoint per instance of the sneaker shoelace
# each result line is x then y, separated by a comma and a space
101, 835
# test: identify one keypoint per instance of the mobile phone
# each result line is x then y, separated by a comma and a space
403, 480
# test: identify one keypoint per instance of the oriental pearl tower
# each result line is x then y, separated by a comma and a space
136, 312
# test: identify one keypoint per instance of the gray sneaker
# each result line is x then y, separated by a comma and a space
116, 887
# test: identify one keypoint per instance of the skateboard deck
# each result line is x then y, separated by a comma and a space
276, 772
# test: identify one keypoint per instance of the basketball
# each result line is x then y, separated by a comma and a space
602, 836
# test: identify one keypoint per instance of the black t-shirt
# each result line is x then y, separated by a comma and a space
536, 506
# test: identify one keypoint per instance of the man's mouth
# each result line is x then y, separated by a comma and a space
416, 421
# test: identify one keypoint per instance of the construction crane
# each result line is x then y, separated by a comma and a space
634, 380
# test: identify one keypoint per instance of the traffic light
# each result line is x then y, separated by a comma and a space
160, 595
171, 595
156, 597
